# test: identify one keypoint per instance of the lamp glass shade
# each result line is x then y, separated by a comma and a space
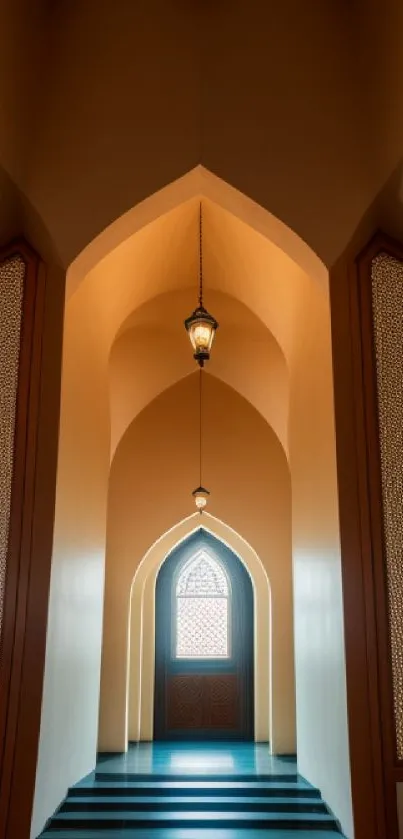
201, 328
200, 496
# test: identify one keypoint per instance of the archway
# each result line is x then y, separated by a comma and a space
316, 540
204, 647
270, 723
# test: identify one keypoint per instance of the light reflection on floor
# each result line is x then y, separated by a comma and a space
198, 758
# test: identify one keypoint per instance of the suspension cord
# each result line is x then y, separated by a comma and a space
200, 425
200, 256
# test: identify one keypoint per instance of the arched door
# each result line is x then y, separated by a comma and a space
204, 644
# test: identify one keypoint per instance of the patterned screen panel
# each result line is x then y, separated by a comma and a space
203, 702
387, 301
202, 609
12, 274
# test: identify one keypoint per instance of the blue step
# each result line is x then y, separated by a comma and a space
205, 776
199, 788
176, 818
261, 796
90, 804
194, 833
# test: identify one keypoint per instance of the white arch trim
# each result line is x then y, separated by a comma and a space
197, 182
140, 685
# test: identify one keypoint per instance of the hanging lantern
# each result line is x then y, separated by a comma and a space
201, 326
200, 496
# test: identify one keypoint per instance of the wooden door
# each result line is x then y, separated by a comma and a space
204, 644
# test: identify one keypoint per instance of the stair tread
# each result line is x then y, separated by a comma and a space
197, 776
178, 815
192, 833
188, 799
190, 784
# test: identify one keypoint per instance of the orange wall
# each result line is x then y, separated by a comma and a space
250, 268
152, 476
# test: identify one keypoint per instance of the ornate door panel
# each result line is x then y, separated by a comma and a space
209, 702
204, 644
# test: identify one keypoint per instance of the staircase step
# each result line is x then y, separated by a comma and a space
109, 820
233, 788
192, 833
206, 776
223, 803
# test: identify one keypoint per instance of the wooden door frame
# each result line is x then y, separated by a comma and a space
374, 772
30, 539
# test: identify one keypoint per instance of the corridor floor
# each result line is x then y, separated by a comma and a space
193, 791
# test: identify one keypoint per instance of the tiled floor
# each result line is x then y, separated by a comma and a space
193, 791
198, 759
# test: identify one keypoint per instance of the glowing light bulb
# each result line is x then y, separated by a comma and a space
200, 496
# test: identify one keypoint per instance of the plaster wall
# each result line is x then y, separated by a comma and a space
323, 751
156, 260
152, 475
68, 733
142, 629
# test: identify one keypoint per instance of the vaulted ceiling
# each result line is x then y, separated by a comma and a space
137, 297
103, 104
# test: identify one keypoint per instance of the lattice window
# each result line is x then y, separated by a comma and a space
202, 609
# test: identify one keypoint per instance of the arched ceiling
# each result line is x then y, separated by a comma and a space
163, 257
104, 104
153, 352
136, 298
159, 456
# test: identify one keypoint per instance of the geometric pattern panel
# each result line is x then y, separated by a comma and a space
12, 275
387, 307
202, 627
203, 701
202, 609
202, 575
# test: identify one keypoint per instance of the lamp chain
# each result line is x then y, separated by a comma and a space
200, 424
200, 257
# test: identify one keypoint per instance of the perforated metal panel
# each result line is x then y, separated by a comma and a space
12, 274
387, 301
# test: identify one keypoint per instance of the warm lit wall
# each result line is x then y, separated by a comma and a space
323, 753
158, 259
153, 473
140, 693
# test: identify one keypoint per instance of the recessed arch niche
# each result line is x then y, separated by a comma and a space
140, 688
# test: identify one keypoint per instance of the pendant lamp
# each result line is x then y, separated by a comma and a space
201, 326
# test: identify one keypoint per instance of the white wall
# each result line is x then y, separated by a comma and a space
322, 733
69, 724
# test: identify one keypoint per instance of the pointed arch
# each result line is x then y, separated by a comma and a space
270, 724
199, 181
